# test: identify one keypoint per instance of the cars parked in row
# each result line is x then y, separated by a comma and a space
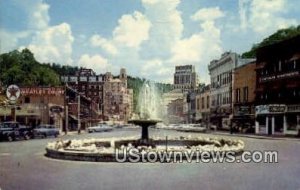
13, 130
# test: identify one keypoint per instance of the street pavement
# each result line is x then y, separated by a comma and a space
24, 166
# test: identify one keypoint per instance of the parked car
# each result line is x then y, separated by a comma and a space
45, 130
13, 130
99, 128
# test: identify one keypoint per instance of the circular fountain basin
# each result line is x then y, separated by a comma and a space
104, 150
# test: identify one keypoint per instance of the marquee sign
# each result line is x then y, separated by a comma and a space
53, 91
268, 109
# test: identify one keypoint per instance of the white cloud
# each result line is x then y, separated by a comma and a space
208, 14
132, 30
157, 70
200, 48
107, 45
167, 27
264, 16
96, 62
54, 44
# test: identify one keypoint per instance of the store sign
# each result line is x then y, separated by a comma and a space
293, 108
242, 110
55, 91
56, 109
13, 92
267, 109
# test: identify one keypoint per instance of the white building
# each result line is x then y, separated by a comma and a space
185, 77
221, 75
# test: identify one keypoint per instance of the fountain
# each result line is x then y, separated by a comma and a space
149, 104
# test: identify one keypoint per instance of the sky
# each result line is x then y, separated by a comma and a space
147, 37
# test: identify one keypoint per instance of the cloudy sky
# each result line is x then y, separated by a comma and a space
148, 37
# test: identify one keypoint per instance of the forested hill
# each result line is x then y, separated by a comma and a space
278, 36
21, 68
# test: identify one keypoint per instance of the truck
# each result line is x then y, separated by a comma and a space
12, 130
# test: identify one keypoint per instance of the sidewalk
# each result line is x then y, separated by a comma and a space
256, 136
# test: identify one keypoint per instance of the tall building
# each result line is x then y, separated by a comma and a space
118, 99
185, 77
110, 94
221, 74
278, 88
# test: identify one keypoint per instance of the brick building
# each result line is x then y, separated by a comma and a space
221, 74
278, 88
244, 86
37, 105
110, 94
203, 105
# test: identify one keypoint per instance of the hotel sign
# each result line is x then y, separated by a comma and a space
53, 91
269, 109
279, 76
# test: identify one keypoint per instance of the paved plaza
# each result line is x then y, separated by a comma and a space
24, 166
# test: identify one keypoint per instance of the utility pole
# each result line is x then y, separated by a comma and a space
78, 117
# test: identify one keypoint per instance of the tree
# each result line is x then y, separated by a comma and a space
280, 35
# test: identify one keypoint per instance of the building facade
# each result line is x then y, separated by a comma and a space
221, 75
37, 105
203, 105
185, 77
244, 86
113, 100
278, 88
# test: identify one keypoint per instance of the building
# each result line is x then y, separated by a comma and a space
203, 105
221, 74
176, 111
185, 77
110, 94
278, 88
37, 105
118, 100
244, 85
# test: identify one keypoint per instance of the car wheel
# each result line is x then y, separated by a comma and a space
10, 138
26, 137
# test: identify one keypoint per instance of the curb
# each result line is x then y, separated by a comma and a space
257, 136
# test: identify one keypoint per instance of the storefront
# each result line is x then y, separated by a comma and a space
277, 119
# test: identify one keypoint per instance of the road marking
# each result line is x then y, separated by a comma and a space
5, 154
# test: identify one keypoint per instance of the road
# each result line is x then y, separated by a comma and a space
24, 166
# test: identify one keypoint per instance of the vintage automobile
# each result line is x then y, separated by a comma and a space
45, 130
13, 130
99, 128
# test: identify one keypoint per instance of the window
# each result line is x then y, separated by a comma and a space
237, 95
202, 99
245, 94
207, 102
198, 103
279, 66
27, 100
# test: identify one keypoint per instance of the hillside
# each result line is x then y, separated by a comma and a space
21, 68
278, 36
